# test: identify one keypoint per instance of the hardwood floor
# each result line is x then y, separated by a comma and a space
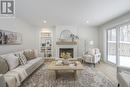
109, 71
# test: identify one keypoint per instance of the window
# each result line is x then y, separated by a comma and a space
118, 45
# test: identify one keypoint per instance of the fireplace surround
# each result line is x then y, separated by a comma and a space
74, 47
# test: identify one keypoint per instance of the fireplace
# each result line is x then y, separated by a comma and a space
66, 53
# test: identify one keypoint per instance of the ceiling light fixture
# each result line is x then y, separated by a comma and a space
87, 21
44, 21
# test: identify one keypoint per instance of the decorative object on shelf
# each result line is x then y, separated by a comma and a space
74, 37
43, 44
10, 38
67, 38
65, 35
68, 35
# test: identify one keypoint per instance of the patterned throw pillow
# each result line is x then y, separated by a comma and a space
29, 54
22, 58
3, 66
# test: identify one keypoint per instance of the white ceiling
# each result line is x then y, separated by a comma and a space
70, 12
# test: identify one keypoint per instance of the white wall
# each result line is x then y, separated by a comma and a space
30, 35
102, 30
17, 25
87, 34
84, 33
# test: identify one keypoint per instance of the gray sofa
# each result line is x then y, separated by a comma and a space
123, 76
29, 67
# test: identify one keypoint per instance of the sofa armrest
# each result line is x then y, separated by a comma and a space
2, 81
121, 68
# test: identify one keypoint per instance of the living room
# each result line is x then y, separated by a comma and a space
83, 43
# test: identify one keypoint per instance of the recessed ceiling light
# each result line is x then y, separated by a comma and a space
44, 21
87, 21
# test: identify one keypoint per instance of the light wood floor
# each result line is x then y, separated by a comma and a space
108, 70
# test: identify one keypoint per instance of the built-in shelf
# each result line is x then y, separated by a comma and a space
46, 45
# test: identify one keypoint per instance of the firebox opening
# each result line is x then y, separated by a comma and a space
66, 53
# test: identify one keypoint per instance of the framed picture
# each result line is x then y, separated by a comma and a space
10, 38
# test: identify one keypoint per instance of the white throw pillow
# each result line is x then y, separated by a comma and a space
12, 61
91, 51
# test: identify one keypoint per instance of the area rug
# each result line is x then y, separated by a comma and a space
89, 77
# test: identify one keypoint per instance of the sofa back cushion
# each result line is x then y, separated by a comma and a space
12, 61
91, 51
3, 66
30, 54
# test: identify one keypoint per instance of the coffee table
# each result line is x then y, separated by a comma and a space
76, 69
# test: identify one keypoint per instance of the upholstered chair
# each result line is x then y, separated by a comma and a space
123, 76
92, 56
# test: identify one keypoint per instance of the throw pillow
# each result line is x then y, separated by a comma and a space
29, 54
12, 61
3, 66
22, 58
91, 51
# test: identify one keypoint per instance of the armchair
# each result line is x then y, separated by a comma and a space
92, 56
123, 76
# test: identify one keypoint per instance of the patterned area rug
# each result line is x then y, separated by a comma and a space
88, 78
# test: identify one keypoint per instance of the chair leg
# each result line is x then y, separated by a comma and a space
118, 85
94, 65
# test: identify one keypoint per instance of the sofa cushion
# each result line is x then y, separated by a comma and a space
29, 54
22, 58
124, 78
32, 65
3, 66
12, 61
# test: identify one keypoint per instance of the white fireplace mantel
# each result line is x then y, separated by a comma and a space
66, 46
59, 45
